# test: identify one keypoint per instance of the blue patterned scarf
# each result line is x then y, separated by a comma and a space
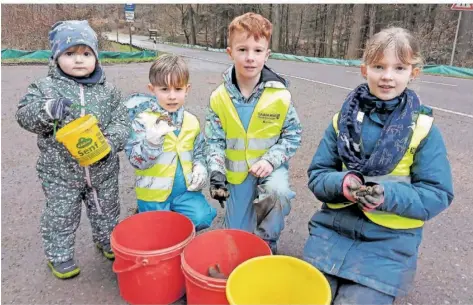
393, 141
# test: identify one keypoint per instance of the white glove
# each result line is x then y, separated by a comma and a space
155, 134
146, 119
155, 128
199, 178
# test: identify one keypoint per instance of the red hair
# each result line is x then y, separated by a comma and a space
253, 24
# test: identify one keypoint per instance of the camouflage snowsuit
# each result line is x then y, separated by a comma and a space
66, 184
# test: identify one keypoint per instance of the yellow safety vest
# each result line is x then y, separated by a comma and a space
156, 182
401, 173
244, 148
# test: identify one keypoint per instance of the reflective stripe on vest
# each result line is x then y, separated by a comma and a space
244, 148
156, 182
401, 173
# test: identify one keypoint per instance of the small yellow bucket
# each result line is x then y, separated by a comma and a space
277, 279
84, 140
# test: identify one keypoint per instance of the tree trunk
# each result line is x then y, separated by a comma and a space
372, 21
323, 16
339, 28
214, 32
331, 14
286, 42
346, 30
465, 37
295, 40
353, 51
276, 27
315, 30
192, 24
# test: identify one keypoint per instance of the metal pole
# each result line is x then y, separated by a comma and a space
118, 22
129, 27
456, 36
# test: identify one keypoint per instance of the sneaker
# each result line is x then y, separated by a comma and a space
106, 250
64, 270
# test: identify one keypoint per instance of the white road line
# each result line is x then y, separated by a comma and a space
332, 85
422, 81
315, 81
443, 84
452, 112
349, 89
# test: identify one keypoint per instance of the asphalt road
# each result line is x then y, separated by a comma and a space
445, 271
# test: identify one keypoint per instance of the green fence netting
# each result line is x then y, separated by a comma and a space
448, 71
45, 54
428, 69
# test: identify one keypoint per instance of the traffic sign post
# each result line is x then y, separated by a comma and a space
130, 18
459, 7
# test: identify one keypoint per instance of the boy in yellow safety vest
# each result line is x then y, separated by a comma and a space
166, 146
252, 130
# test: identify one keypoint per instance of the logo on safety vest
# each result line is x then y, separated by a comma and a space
268, 117
84, 142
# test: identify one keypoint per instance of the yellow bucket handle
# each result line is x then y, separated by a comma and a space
56, 121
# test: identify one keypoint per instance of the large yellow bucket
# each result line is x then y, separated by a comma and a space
84, 140
277, 279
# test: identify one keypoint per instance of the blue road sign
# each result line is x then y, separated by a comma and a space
129, 7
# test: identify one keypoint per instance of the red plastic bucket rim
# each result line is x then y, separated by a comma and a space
204, 284
204, 278
128, 251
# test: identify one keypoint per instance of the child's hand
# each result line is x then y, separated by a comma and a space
199, 178
218, 187
350, 185
154, 135
261, 169
370, 197
58, 108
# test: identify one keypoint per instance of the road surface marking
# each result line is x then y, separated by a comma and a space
443, 84
341, 87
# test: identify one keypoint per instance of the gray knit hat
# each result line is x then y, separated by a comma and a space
65, 34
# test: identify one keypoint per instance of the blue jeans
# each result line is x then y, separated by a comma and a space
345, 292
240, 212
190, 204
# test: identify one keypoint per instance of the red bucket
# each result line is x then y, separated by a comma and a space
228, 249
147, 250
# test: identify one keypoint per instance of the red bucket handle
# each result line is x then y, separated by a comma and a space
143, 263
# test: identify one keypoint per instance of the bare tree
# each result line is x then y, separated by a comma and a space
276, 27
372, 18
355, 32
331, 13
191, 18
465, 37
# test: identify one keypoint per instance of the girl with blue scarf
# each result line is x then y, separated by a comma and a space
381, 171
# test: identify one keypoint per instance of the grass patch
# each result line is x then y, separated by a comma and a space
116, 47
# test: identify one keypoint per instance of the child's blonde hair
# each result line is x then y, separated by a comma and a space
169, 70
253, 24
405, 46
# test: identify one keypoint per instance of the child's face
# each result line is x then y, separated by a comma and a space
170, 98
77, 61
248, 55
388, 77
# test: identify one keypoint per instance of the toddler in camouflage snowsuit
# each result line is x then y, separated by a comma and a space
75, 86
